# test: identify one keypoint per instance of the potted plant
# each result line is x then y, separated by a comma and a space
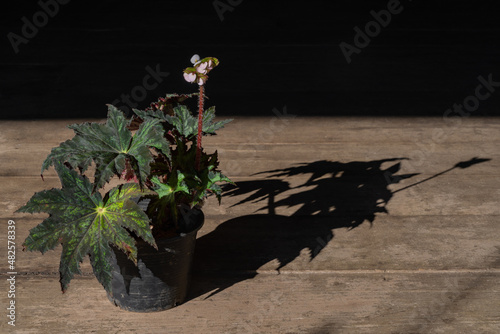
138, 214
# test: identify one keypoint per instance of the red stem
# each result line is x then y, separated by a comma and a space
200, 127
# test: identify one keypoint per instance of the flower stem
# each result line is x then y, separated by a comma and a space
200, 127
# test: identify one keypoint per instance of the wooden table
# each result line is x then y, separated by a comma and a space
377, 225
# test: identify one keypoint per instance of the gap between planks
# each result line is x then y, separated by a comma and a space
296, 272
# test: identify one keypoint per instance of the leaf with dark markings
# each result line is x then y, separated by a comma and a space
109, 146
85, 223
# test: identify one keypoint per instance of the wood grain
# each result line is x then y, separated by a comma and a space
303, 244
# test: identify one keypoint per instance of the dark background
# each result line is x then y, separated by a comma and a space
272, 54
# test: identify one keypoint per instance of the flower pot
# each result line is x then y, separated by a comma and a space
161, 278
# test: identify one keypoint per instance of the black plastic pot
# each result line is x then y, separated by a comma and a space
161, 278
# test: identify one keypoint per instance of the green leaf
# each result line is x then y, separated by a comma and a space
211, 183
110, 145
150, 113
185, 123
175, 184
45, 236
209, 127
85, 223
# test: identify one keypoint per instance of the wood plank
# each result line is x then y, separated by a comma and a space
258, 243
251, 159
293, 129
444, 195
358, 302
251, 145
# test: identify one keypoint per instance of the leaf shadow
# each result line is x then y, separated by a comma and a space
335, 195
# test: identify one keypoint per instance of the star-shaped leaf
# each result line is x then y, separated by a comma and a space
209, 127
175, 184
110, 145
85, 223
209, 181
184, 122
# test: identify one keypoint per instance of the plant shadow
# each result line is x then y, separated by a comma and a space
332, 195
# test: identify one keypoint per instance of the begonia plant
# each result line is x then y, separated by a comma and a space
155, 155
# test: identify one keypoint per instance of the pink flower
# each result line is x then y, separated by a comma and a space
190, 77
202, 68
